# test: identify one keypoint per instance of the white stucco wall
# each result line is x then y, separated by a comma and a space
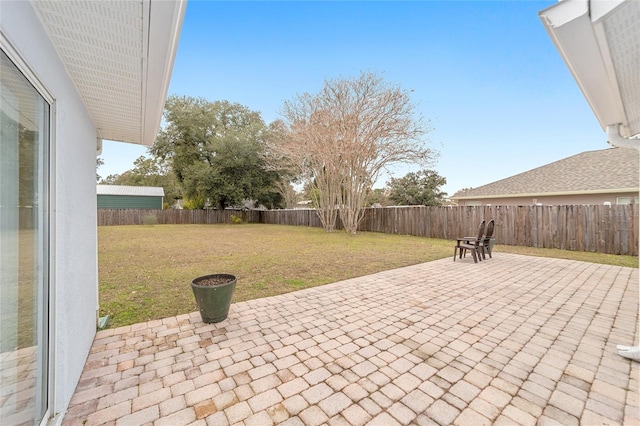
74, 232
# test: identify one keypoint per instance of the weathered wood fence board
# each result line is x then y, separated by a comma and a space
603, 229
108, 217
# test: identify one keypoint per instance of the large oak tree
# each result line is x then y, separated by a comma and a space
419, 188
217, 152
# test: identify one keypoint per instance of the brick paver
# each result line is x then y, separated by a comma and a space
510, 340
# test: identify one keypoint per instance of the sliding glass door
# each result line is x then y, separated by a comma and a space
24, 248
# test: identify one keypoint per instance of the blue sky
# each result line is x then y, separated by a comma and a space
499, 97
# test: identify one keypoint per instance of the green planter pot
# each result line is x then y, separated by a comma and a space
214, 300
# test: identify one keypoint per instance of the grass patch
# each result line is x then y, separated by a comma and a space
145, 272
606, 259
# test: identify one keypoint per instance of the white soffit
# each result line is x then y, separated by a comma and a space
600, 43
119, 55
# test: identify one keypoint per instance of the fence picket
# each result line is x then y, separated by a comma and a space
602, 229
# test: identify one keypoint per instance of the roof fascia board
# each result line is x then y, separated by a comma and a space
144, 83
548, 194
563, 12
162, 25
571, 29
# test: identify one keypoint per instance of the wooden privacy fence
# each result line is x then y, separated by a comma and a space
602, 229
111, 217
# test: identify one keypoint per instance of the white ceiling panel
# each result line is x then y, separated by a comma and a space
105, 48
622, 29
600, 43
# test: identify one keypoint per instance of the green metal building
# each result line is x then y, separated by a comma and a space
129, 197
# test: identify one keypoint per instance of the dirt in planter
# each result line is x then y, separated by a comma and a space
213, 281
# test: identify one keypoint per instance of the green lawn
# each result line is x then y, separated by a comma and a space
146, 271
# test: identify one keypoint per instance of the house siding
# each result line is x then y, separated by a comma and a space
556, 200
73, 247
128, 202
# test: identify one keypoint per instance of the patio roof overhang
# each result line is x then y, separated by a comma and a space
600, 43
119, 55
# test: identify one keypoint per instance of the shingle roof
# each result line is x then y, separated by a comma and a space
144, 191
604, 170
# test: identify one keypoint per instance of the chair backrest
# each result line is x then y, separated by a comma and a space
481, 230
490, 226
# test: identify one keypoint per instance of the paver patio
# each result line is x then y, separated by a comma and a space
512, 340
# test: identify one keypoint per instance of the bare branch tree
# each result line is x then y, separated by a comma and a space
343, 137
308, 147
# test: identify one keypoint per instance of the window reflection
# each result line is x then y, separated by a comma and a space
24, 282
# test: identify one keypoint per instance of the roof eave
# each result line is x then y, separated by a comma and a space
119, 56
576, 29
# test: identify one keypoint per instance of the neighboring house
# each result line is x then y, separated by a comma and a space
71, 74
304, 204
130, 197
608, 176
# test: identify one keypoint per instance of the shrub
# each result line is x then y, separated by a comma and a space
149, 219
194, 203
